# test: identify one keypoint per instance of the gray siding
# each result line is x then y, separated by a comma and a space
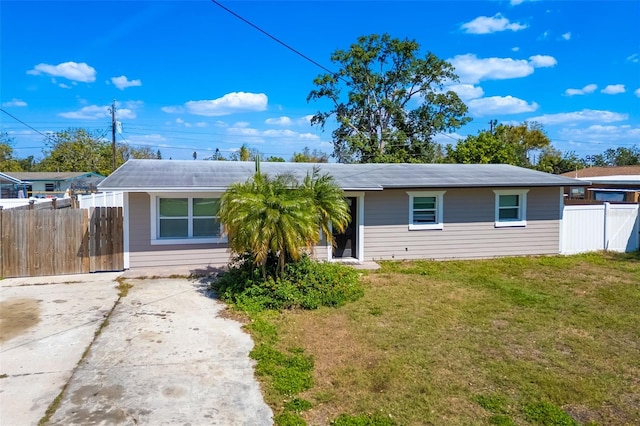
143, 254
469, 231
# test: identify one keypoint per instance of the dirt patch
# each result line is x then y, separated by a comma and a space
16, 316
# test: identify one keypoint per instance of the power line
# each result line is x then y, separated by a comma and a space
28, 125
274, 38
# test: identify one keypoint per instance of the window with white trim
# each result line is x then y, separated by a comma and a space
185, 219
425, 210
511, 207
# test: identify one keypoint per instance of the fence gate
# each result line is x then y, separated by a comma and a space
66, 241
605, 226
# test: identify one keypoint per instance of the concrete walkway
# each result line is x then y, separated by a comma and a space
46, 324
166, 357
163, 356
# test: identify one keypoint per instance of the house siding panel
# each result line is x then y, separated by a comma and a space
469, 231
143, 254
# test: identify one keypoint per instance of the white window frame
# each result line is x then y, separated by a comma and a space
439, 223
522, 208
155, 222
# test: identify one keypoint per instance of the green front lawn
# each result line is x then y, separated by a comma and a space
536, 340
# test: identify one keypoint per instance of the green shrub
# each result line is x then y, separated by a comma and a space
547, 414
305, 284
363, 420
289, 419
298, 405
290, 374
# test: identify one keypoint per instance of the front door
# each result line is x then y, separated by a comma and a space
345, 242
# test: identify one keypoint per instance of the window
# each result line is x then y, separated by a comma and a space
425, 210
185, 219
576, 193
511, 208
49, 187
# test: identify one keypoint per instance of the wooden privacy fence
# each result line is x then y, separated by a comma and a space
54, 242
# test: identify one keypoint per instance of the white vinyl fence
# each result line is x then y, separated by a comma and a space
605, 226
101, 199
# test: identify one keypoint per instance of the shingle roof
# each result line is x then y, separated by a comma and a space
31, 176
603, 171
174, 175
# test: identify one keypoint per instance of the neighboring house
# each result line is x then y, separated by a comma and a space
611, 184
55, 184
399, 211
11, 187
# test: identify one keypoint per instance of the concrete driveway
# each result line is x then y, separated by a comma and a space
165, 356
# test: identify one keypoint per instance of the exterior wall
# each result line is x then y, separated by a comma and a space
143, 254
469, 227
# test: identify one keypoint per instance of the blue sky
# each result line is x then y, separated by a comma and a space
188, 76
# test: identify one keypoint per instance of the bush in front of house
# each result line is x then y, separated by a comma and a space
305, 284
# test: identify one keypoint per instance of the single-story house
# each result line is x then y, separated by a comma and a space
611, 184
55, 184
11, 187
399, 211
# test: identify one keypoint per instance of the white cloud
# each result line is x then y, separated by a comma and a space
280, 121
637, 92
181, 122
580, 116
500, 105
589, 88
515, 48
228, 104
172, 109
543, 61
123, 82
448, 138
566, 36
15, 103
150, 140
472, 69
69, 70
635, 58
467, 92
64, 86
491, 24
307, 119
545, 35
95, 112
614, 89
516, 2
608, 134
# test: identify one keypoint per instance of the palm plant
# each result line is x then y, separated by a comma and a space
279, 217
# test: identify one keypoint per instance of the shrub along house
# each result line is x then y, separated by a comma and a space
399, 211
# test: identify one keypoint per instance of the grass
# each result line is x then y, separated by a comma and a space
528, 340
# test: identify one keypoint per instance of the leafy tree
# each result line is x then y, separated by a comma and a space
7, 162
524, 138
485, 148
620, 156
554, 161
394, 102
79, 150
279, 218
274, 159
506, 144
308, 156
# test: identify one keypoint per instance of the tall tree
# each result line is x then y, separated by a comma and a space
308, 156
621, 156
484, 148
7, 162
506, 144
554, 161
387, 101
77, 150
525, 138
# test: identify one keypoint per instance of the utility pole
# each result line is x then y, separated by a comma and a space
113, 132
